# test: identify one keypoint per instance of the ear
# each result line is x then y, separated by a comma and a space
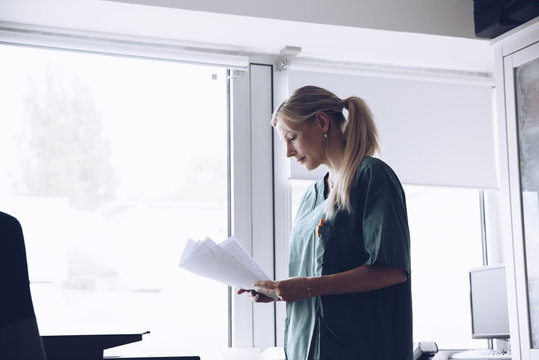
322, 120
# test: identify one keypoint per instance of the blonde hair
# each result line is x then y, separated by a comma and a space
359, 132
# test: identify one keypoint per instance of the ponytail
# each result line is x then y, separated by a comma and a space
358, 129
361, 141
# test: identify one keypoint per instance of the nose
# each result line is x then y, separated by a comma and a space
290, 150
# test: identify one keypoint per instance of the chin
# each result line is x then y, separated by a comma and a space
309, 167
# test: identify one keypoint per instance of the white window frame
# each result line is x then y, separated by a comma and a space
251, 92
282, 202
253, 324
512, 49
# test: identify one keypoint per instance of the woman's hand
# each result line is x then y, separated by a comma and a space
293, 289
256, 296
360, 279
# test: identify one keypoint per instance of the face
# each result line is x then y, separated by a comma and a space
304, 142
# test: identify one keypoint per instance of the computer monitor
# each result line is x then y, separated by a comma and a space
488, 297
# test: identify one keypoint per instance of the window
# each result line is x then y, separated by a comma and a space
443, 204
111, 165
445, 237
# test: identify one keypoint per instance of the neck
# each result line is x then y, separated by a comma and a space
335, 154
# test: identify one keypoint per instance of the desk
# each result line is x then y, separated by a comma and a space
445, 354
91, 347
84, 347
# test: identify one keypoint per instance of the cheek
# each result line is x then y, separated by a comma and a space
316, 148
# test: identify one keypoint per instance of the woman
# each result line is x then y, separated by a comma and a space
348, 295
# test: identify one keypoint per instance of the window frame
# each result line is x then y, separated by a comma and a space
250, 147
512, 50
253, 191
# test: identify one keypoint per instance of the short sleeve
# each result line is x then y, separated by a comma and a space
383, 216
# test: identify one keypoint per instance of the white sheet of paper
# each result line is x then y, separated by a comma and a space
234, 248
227, 262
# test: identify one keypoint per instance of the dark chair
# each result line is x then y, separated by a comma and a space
19, 334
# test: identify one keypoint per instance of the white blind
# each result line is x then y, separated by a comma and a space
431, 132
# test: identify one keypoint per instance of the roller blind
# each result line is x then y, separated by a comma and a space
432, 132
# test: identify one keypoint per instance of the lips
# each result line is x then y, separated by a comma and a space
301, 160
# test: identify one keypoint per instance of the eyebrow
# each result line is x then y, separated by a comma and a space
288, 131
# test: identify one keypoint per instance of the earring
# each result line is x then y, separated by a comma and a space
325, 135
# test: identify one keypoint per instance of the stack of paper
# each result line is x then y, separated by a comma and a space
227, 262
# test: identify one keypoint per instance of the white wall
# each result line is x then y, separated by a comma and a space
439, 17
248, 34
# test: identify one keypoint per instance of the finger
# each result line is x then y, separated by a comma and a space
261, 284
265, 286
267, 290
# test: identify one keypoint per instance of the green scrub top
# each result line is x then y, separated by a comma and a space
374, 325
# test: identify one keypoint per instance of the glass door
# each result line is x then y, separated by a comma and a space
522, 101
527, 113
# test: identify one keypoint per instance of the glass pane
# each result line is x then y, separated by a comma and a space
111, 164
445, 235
527, 105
